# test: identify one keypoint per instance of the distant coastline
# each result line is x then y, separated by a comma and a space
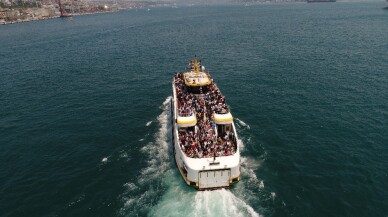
21, 11
12, 12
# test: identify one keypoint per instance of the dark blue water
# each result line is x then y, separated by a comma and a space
84, 111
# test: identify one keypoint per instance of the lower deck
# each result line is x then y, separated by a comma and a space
206, 173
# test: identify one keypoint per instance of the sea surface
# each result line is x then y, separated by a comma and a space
85, 111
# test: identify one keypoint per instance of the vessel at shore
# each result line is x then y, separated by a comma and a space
206, 146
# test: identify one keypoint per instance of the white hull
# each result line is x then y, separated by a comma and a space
204, 173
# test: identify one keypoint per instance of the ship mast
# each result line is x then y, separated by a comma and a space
196, 65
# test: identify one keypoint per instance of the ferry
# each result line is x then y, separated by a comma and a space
206, 146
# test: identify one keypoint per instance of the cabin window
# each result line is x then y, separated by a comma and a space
228, 127
193, 90
219, 129
223, 128
186, 129
197, 89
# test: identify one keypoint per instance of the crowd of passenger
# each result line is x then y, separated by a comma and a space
206, 145
184, 99
214, 101
201, 141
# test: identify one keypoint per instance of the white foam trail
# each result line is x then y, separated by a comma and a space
135, 201
242, 123
130, 186
78, 200
148, 123
166, 102
201, 203
248, 166
241, 144
248, 162
124, 155
221, 203
273, 195
251, 188
261, 186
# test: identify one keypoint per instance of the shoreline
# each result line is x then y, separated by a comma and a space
27, 20
52, 17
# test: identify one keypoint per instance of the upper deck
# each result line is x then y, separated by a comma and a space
205, 124
196, 79
196, 76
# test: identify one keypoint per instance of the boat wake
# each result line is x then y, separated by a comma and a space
161, 191
140, 196
242, 124
178, 202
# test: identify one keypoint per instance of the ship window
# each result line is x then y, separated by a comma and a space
197, 89
228, 127
205, 89
193, 90
223, 128
219, 129
185, 129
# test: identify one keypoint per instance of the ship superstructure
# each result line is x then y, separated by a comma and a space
206, 146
